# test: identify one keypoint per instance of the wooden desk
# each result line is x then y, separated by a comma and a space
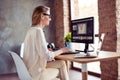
103, 56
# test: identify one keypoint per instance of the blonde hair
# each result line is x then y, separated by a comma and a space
36, 14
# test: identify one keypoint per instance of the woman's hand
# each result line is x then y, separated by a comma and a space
50, 49
65, 49
60, 51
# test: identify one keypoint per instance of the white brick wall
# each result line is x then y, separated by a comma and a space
118, 24
118, 33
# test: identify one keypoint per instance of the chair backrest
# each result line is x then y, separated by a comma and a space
20, 66
21, 50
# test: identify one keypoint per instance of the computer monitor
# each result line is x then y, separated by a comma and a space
83, 31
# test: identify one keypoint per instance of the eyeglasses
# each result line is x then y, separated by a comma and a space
47, 15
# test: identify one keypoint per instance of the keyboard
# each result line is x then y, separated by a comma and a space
70, 52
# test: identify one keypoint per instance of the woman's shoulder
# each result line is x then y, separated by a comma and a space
36, 27
35, 30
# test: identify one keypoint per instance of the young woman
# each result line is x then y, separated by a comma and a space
36, 54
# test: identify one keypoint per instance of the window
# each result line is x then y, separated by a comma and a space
83, 9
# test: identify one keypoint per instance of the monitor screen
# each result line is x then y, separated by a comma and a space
83, 31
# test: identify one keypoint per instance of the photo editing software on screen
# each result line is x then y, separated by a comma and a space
83, 31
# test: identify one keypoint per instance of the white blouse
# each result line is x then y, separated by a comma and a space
36, 53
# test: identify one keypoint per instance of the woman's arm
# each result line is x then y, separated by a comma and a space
60, 51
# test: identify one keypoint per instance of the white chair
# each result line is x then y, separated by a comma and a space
21, 50
22, 71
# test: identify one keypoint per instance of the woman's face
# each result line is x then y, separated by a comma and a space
46, 18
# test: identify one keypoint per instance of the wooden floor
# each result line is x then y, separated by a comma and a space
76, 75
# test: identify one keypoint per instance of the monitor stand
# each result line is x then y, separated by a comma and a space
86, 50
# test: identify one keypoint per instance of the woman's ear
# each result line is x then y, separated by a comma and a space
42, 16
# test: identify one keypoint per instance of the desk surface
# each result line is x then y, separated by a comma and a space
103, 56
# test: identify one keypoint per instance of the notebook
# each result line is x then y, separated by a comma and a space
83, 55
